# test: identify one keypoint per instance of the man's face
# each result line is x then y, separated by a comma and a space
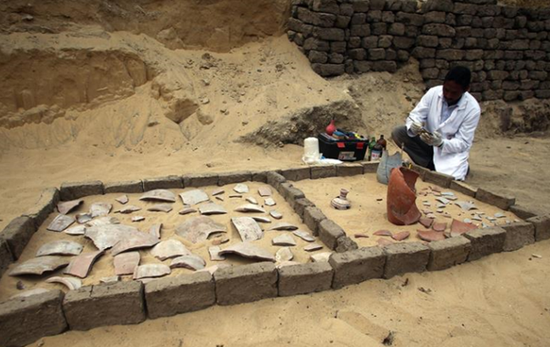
452, 92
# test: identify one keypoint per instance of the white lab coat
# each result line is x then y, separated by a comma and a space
457, 131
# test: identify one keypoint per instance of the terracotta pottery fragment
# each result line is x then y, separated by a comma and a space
214, 253
193, 197
37, 266
359, 236
106, 236
313, 247
218, 191
275, 214
76, 230
248, 228
136, 241
123, 199
159, 195
137, 219
241, 188
252, 200
283, 240
383, 242
283, 226
426, 222
70, 282
82, 218
198, 229
60, 247
155, 230
151, 271
439, 226
129, 209
261, 219
191, 262
81, 265
100, 209
304, 235
169, 249
126, 263
459, 227
382, 233
270, 202
187, 210
160, 208
284, 254
320, 257
430, 235
400, 236
264, 191
250, 208
401, 206
60, 223
212, 208
248, 250
65, 207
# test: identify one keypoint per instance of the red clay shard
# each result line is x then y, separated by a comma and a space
401, 201
439, 226
382, 233
458, 227
430, 235
426, 222
400, 236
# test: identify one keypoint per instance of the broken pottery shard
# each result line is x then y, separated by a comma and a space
60, 223
235, 196
430, 216
284, 254
169, 249
159, 195
100, 209
214, 268
304, 235
80, 266
313, 247
220, 198
439, 226
61, 247
248, 250
106, 236
427, 211
160, 208
212, 208
138, 218
129, 209
382, 233
401, 200
320, 257
76, 230
155, 230
191, 262
443, 200
430, 235
252, 200
465, 205
110, 279
447, 193
136, 241
426, 222
214, 253
126, 263
264, 191
459, 227
384, 242
193, 197
82, 218
400, 236
123, 199
500, 215
103, 221
151, 271
241, 188
187, 210
198, 229
218, 192
219, 240
248, 228
65, 207
270, 202
359, 236
283, 226
37, 266
249, 208
477, 218
261, 219
276, 214
69, 282
283, 240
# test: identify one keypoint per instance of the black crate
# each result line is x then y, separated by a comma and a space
345, 150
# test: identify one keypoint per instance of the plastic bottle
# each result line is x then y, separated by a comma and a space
382, 142
372, 142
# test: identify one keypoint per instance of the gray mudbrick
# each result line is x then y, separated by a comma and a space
6, 258
297, 174
75, 190
370, 167
300, 206
234, 177
260, 176
500, 201
135, 186
449, 252
107, 304
522, 212
200, 180
185, 293
312, 218
246, 283
421, 171
329, 232
344, 244
542, 227
518, 235
274, 179
167, 182
323, 171
349, 169
463, 188
290, 193
305, 278
438, 178
357, 266
405, 257
45, 205
25, 320
485, 242
18, 233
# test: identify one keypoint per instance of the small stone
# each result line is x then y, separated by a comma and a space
283, 240
187, 210
252, 200
304, 235
138, 218
123, 199
241, 188
205, 101
270, 202
313, 247
359, 236
382, 233
276, 214
284, 254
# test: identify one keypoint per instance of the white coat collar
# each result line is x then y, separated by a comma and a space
462, 103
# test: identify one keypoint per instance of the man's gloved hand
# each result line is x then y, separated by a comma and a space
434, 139
416, 128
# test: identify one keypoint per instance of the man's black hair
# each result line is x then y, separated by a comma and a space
460, 75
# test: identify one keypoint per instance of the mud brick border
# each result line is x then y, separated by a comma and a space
405, 257
105, 304
135, 186
46, 204
329, 232
323, 171
6, 258
166, 182
438, 178
290, 193
24, 320
370, 167
246, 283
449, 252
274, 179
305, 278
297, 174
74, 190
349, 170
185, 293
198, 181
542, 227
234, 177
502, 202
522, 212
18, 233
313, 216
357, 266
421, 171
259, 176
518, 235
344, 244
300, 205
485, 242
463, 188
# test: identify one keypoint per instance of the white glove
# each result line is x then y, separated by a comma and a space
416, 128
434, 139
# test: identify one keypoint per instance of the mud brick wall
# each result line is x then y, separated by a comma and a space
507, 48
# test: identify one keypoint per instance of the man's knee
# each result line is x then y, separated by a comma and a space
399, 134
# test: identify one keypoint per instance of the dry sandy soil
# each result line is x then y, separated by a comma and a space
114, 96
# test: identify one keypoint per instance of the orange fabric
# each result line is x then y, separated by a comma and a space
401, 200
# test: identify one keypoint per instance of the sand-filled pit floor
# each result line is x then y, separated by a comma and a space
104, 267
368, 207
